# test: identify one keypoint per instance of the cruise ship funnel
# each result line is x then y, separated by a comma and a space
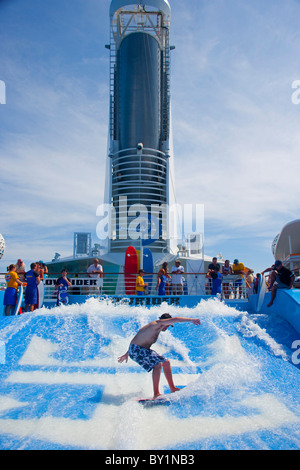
140, 174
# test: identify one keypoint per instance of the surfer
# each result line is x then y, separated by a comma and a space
140, 352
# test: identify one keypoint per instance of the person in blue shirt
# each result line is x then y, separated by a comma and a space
62, 286
162, 284
32, 279
217, 280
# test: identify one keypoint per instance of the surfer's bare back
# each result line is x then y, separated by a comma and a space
140, 352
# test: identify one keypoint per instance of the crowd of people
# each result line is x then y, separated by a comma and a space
218, 282
280, 278
18, 275
242, 283
167, 283
173, 282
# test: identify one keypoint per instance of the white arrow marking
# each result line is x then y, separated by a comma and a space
133, 427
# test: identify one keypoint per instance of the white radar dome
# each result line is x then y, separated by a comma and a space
2, 246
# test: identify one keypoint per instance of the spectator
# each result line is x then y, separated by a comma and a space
141, 285
161, 282
226, 270
95, 271
212, 268
62, 288
21, 270
267, 270
33, 279
11, 292
238, 270
164, 271
256, 281
42, 270
268, 278
177, 279
250, 282
217, 279
281, 278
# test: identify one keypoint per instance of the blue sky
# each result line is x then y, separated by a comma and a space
236, 129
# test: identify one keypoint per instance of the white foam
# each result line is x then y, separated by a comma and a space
229, 369
7, 403
10, 330
132, 427
118, 421
250, 329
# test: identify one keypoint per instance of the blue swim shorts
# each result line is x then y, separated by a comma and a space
10, 296
31, 296
147, 358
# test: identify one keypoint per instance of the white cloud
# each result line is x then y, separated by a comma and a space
236, 144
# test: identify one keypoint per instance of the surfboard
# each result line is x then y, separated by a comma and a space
262, 288
160, 400
138, 253
19, 300
149, 402
130, 270
148, 267
63, 296
40, 295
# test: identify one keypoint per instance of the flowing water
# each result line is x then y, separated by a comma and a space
61, 386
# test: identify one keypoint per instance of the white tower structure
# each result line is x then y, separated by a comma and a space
139, 188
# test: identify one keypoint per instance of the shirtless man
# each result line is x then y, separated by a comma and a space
140, 352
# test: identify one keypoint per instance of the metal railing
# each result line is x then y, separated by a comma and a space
120, 284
